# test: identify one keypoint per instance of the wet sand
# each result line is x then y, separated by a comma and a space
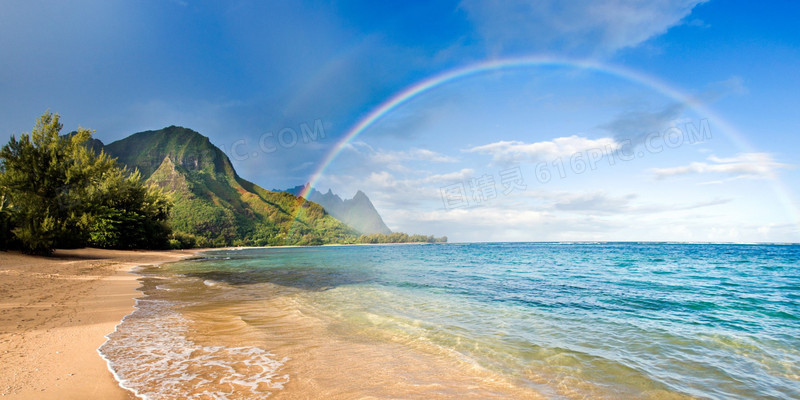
55, 313
311, 354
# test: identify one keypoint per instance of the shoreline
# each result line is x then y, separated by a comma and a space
262, 333
55, 312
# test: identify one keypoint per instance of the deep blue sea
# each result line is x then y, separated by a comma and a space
493, 320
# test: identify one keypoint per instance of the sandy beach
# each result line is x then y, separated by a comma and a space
55, 313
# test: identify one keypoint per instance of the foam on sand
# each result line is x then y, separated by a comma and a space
150, 355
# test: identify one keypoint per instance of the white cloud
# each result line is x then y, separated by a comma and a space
585, 28
462, 175
594, 203
514, 152
388, 191
384, 179
396, 160
495, 222
477, 217
389, 157
717, 90
744, 165
380, 179
601, 203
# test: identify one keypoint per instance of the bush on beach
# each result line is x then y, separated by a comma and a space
57, 192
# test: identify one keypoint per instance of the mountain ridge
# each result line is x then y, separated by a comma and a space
357, 212
214, 206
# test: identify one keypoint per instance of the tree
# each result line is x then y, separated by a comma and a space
123, 213
5, 220
59, 193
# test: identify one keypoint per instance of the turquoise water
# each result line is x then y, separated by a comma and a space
611, 320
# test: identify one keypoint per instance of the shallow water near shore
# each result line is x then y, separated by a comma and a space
500, 320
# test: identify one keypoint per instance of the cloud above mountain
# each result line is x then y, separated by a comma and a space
513, 152
585, 28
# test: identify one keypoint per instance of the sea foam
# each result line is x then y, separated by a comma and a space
150, 355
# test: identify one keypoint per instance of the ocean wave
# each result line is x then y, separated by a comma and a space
210, 282
150, 355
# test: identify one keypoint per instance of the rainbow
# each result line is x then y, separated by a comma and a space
484, 67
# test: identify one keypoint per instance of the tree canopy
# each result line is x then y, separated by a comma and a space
57, 192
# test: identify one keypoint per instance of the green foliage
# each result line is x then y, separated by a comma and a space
65, 191
57, 192
123, 213
399, 237
146, 151
181, 240
6, 238
212, 203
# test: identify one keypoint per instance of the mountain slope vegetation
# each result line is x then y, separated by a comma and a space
213, 206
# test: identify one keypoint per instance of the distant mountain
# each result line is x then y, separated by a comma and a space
212, 204
357, 212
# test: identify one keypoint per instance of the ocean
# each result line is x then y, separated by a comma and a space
477, 320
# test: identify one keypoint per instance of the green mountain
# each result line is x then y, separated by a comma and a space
213, 206
358, 212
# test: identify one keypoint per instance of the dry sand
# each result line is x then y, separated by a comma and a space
55, 313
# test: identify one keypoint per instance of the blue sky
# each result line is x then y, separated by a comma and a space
242, 72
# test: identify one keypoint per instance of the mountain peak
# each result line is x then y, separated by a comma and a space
295, 190
213, 206
183, 146
358, 212
167, 177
